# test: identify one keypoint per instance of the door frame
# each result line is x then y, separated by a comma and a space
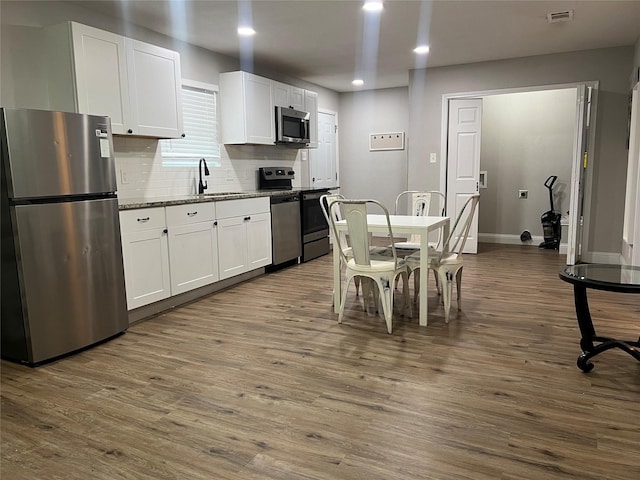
588, 177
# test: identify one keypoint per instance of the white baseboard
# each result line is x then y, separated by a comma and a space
508, 239
602, 257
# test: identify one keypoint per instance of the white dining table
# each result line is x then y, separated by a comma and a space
400, 224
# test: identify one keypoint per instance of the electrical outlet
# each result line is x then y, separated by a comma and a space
124, 178
433, 158
523, 193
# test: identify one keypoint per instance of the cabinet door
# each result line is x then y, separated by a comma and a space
232, 246
101, 74
280, 92
260, 112
154, 88
258, 240
146, 267
193, 256
311, 106
296, 99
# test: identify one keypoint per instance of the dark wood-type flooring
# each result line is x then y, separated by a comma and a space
260, 382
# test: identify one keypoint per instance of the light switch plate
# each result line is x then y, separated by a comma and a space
433, 158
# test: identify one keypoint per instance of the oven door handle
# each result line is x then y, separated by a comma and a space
312, 196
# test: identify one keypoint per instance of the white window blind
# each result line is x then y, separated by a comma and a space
200, 127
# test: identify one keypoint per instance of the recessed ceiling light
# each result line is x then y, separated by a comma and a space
372, 6
358, 82
246, 31
421, 49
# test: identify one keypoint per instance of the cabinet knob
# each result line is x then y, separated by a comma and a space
165, 231
215, 224
183, 135
129, 131
247, 219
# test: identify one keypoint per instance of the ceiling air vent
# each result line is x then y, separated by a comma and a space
556, 17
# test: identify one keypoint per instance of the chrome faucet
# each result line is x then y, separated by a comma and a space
202, 186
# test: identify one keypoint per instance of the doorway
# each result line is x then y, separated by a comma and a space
535, 151
323, 161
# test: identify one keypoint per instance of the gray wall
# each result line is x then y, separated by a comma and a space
379, 175
611, 67
526, 137
636, 64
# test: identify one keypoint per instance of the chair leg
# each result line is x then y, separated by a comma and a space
459, 288
416, 284
344, 298
446, 282
386, 295
356, 280
406, 298
366, 290
376, 295
438, 289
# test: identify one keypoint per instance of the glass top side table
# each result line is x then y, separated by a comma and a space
612, 278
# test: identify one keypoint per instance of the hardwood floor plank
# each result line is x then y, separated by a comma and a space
260, 382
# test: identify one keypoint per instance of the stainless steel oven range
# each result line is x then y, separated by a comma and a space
315, 231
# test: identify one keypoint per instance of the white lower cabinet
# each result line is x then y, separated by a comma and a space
145, 253
244, 235
171, 250
193, 246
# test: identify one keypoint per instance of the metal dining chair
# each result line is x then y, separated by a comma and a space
383, 271
421, 205
448, 263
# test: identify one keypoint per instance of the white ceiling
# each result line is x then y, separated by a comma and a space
329, 42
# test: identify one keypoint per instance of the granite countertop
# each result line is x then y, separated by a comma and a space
132, 203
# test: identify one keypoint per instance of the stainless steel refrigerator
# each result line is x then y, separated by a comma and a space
62, 283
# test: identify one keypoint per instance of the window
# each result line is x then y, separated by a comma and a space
200, 126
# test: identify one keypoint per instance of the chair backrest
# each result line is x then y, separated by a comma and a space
421, 202
460, 229
421, 206
329, 210
359, 240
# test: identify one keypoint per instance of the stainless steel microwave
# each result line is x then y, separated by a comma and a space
292, 127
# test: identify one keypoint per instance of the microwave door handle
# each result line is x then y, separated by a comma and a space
306, 129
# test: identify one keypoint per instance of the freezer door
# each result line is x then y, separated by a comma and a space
72, 278
51, 154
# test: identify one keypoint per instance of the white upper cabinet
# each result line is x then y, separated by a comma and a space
101, 86
155, 90
287, 96
100, 73
311, 106
281, 94
246, 106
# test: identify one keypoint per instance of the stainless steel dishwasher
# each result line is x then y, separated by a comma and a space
285, 228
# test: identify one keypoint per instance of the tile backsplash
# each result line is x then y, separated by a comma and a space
143, 172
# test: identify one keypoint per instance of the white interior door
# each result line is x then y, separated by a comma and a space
580, 162
631, 229
322, 160
463, 160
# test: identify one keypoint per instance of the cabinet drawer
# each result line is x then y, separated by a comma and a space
142, 219
190, 213
244, 206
